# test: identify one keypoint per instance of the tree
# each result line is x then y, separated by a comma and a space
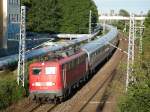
26, 2
45, 17
64, 16
123, 12
75, 18
121, 24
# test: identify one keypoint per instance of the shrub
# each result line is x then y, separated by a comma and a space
9, 91
137, 100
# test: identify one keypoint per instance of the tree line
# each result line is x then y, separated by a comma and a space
60, 16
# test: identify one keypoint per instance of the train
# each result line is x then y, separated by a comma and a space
54, 78
10, 62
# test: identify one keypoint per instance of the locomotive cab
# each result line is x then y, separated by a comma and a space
55, 78
44, 80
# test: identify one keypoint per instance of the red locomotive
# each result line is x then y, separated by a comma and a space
54, 79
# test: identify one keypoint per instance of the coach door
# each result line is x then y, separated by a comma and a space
64, 70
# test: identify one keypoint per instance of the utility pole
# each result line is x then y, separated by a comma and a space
141, 35
104, 26
90, 25
21, 61
130, 60
90, 22
125, 27
1, 24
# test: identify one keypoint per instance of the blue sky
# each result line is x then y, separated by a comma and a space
134, 6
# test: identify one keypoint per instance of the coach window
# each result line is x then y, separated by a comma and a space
36, 71
78, 60
91, 56
68, 66
63, 66
74, 62
82, 59
71, 64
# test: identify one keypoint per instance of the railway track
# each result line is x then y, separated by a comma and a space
92, 101
29, 106
36, 107
44, 108
32, 107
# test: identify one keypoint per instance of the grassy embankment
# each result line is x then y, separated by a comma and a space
137, 98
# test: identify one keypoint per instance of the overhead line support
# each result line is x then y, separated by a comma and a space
21, 61
130, 60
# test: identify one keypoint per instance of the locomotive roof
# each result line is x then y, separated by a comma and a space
59, 60
58, 55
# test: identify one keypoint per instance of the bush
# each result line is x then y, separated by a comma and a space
137, 100
9, 92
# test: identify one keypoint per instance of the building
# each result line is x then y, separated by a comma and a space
9, 20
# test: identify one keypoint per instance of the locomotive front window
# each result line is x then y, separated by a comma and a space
36, 71
50, 70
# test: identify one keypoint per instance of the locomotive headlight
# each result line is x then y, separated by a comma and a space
43, 84
36, 84
50, 84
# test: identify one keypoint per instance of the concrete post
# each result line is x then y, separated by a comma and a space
3, 24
